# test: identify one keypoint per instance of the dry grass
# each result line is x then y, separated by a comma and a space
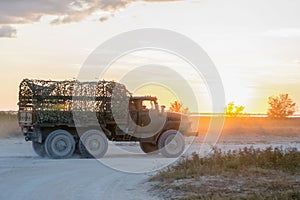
9, 124
254, 126
245, 174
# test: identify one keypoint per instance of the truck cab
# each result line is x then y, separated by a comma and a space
140, 108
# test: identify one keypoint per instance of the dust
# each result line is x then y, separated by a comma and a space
9, 124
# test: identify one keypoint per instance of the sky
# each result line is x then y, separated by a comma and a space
255, 45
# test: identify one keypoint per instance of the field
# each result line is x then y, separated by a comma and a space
236, 127
252, 126
249, 173
254, 158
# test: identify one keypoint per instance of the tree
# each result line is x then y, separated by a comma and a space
233, 110
178, 107
281, 106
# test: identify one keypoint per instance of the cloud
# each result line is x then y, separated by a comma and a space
283, 33
66, 11
7, 31
103, 19
296, 61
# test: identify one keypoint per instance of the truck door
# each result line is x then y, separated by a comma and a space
139, 113
150, 120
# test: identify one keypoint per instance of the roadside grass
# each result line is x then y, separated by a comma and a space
284, 195
273, 173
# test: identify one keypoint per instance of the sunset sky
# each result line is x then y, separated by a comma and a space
254, 44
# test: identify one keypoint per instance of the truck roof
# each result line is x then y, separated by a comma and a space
150, 98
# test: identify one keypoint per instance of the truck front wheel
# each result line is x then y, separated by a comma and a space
148, 147
171, 143
60, 144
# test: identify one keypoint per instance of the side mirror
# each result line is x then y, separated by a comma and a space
163, 108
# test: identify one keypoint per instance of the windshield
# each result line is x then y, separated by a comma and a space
150, 105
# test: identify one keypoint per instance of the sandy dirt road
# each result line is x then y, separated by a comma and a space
23, 175
22, 178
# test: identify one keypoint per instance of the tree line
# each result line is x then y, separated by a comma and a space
280, 106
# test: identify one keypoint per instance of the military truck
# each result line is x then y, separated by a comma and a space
63, 117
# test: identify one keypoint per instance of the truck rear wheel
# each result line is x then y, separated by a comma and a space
60, 144
148, 147
93, 144
39, 148
171, 143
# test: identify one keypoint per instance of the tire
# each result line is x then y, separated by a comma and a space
39, 149
60, 144
171, 144
148, 147
93, 144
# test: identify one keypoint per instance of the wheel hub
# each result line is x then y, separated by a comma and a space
94, 145
61, 145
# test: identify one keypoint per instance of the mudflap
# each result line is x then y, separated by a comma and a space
37, 136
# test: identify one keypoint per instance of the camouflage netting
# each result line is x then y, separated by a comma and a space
54, 101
